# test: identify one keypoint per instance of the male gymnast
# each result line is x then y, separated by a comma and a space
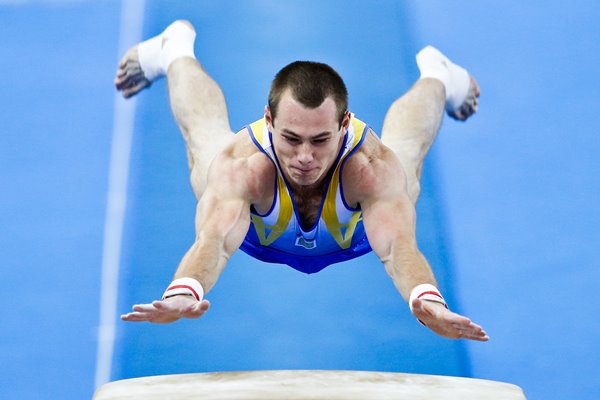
307, 185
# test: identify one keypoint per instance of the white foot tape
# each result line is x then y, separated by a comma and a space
156, 54
150, 56
433, 64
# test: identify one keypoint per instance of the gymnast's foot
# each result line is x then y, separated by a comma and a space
130, 77
149, 60
462, 90
469, 104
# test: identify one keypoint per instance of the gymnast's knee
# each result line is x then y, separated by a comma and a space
414, 189
198, 180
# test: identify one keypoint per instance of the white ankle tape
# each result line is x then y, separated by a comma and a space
186, 286
433, 64
157, 54
179, 42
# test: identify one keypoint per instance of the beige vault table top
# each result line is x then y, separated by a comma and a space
307, 384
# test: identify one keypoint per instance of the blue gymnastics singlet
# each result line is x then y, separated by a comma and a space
278, 236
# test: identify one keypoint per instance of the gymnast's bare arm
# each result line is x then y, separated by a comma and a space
374, 178
222, 221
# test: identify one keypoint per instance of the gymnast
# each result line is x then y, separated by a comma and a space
308, 184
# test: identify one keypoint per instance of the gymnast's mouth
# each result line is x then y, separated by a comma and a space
303, 171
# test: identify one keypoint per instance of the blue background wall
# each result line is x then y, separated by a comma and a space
508, 217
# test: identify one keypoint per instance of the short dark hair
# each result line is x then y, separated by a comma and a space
310, 83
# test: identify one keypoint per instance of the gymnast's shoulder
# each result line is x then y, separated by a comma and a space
372, 169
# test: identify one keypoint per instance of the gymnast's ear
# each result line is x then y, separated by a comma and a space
268, 118
346, 121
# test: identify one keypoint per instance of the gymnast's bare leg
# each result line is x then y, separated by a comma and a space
197, 101
412, 122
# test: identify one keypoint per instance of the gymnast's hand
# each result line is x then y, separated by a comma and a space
168, 310
446, 323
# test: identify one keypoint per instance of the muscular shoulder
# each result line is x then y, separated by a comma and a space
374, 170
244, 168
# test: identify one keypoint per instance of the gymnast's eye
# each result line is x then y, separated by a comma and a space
320, 140
291, 139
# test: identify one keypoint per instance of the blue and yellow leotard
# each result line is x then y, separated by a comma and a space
338, 235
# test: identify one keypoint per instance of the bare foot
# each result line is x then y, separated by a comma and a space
469, 106
130, 78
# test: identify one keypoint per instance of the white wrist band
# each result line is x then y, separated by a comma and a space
426, 291
187, 286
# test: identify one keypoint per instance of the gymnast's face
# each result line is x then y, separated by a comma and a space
306, 140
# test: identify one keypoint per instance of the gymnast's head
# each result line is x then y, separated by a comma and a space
308, 116
309, 83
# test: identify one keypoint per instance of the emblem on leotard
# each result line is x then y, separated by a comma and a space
306, 243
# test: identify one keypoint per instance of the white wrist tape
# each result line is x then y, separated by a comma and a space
186, 286
428, 292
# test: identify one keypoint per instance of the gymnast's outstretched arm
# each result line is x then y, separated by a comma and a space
389, 218
222, 221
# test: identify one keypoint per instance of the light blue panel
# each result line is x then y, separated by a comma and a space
349, 316
56, 109
521, 184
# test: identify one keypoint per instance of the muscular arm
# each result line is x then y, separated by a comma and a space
390, 222
222, 220
389, 218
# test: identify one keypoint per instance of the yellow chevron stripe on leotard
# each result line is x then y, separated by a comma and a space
267, 234
342, 233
